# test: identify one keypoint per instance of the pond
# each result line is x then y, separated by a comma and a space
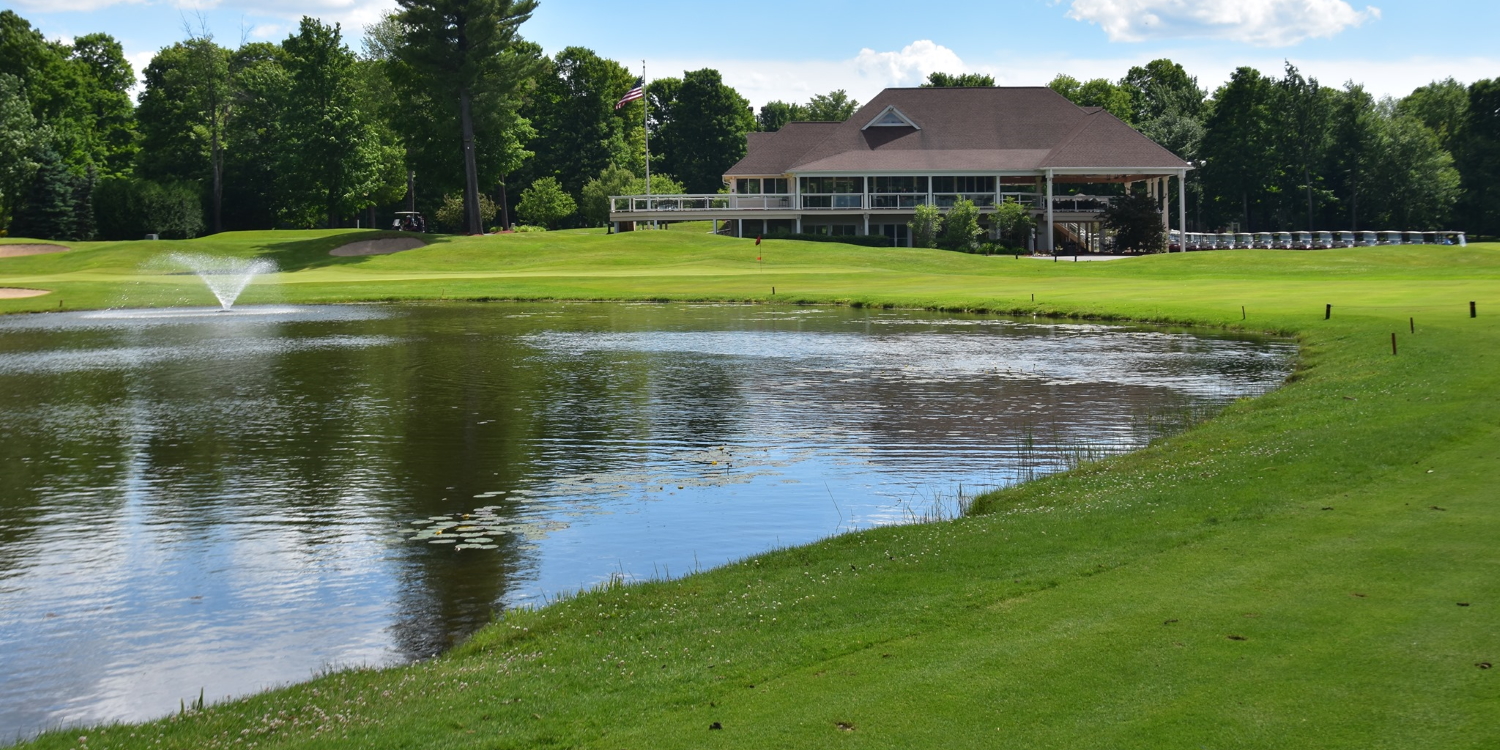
194, 500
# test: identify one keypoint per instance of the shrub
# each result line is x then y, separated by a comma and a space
545, 203
450, 215
866, 240
594, 202
1013, 222
529, 228
128, 209
925, 225
961, 226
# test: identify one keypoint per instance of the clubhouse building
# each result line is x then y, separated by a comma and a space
934, 146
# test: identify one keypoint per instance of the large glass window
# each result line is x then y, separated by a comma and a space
965, 184
825, 185
759, 186
899, 185
898, 234
836, 230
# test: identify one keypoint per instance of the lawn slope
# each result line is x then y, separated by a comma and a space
1314, 568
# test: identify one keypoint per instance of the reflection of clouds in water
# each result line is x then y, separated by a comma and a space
211, 319
61, 361
181, 454
1059, 355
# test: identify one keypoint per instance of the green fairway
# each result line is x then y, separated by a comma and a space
1316, 568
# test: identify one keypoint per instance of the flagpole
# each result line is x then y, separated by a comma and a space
646, 128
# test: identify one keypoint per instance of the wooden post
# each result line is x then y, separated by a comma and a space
1413, 325
1472, 312
1327, 312
1393, 344
1242, 312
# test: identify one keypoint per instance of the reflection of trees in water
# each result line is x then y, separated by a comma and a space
696, 400
60, 437
334, 443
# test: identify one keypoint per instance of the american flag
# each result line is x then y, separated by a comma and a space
636, 92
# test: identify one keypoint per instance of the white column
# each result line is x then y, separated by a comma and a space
867, 224
1182, 206
1050, 247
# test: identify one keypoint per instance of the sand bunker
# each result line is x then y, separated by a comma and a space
378, 247
13, 292
16, 251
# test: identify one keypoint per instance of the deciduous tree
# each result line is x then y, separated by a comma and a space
332, 159
1302, 110
1239, 145
937, 80
1442, 106
835, 106
1479, 158
578, 130
1136, 221
702, 132
774, 115
545, 203
615, 180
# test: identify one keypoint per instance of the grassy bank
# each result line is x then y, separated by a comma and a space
1314, 568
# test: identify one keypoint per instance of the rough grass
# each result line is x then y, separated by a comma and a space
1288, 574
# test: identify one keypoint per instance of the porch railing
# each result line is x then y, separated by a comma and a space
689, 203
1080, 204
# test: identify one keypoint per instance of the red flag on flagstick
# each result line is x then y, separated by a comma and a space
757, 239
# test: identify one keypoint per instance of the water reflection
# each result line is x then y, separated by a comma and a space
229, 502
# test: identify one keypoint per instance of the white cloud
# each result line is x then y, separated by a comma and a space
863, 75
1264, 23
910, 66
59, 6
353, 14
266, 30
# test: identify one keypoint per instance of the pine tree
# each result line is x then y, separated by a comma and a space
83, 205
457, 52
47, 212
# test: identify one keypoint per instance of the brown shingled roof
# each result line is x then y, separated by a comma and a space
775, 153
961, 129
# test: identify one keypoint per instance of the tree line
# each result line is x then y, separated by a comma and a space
446, 108
1288, 153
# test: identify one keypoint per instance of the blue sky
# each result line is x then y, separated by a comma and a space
791, 50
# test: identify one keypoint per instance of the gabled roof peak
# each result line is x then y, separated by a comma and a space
890, 117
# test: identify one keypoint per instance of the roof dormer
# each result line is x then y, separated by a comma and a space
890, 117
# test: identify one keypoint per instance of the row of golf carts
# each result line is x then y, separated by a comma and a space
1309, 240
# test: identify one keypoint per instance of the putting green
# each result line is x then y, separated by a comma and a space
1313, 568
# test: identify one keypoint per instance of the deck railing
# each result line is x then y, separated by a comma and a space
718, 202
1081, 204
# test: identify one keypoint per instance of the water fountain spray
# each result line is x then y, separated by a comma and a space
225, 277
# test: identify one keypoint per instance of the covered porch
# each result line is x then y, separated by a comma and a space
883, 204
